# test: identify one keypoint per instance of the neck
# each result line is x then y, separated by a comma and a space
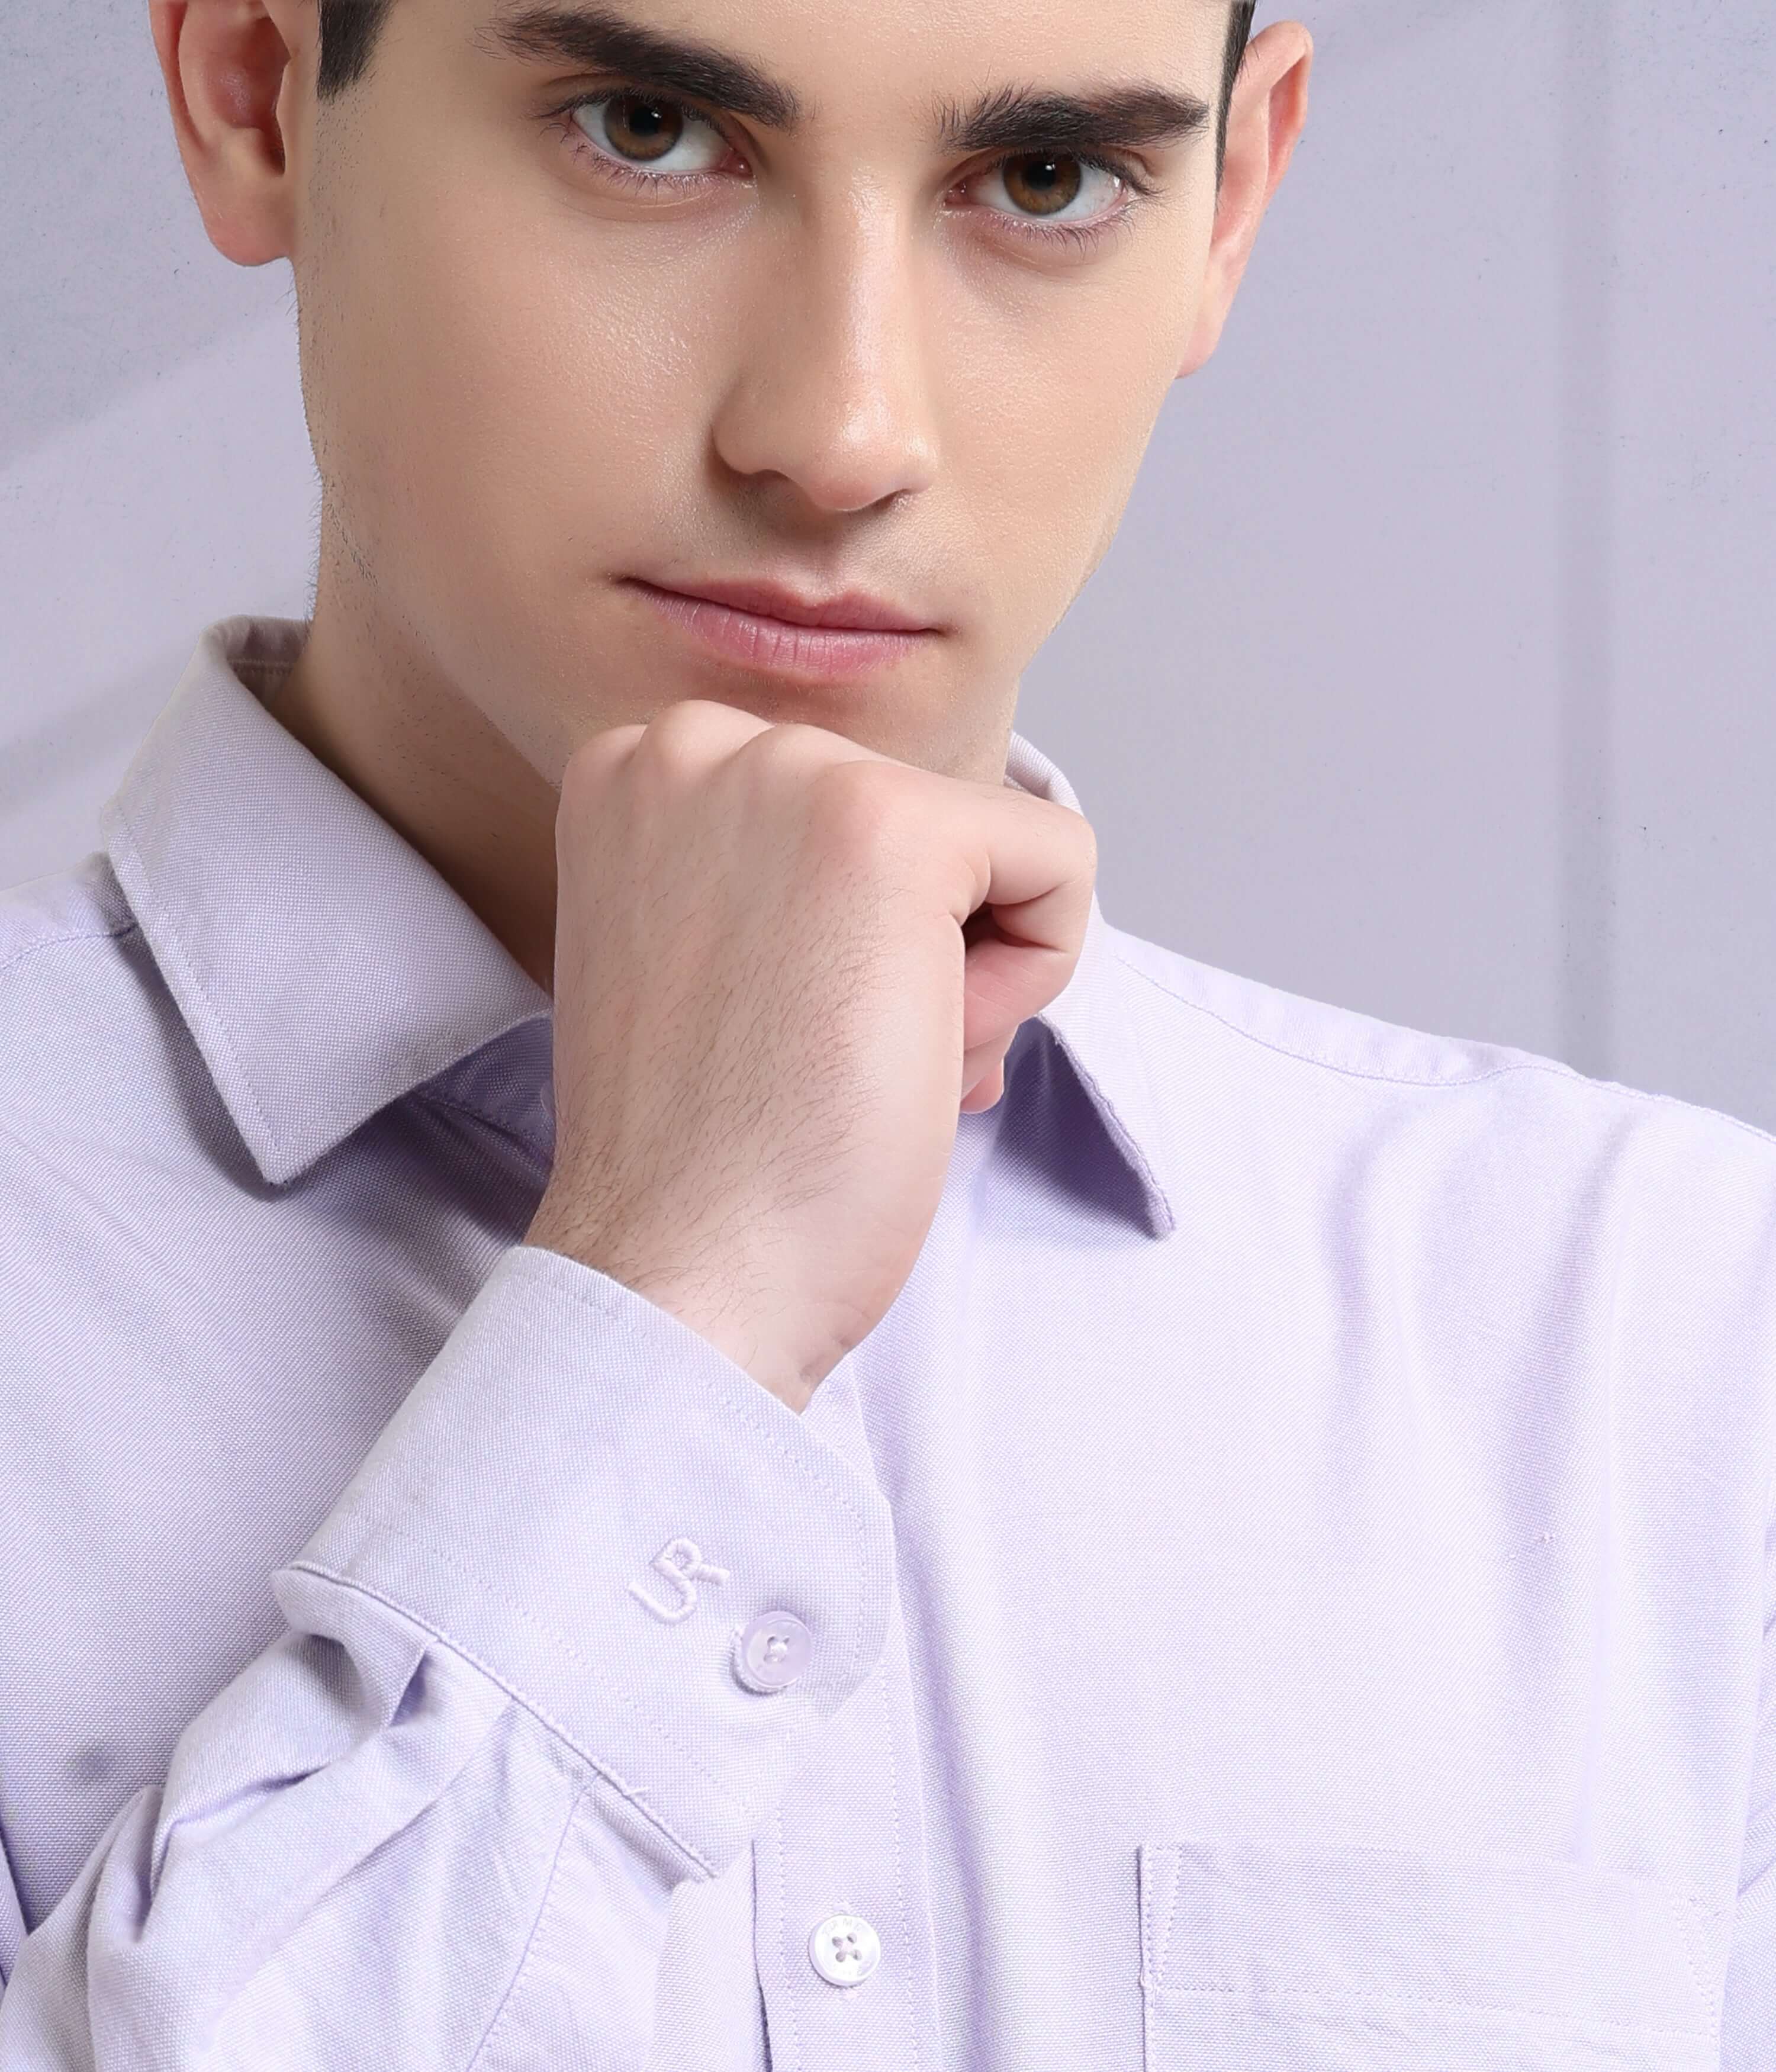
383, 718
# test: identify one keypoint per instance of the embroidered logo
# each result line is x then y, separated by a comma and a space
681, 1562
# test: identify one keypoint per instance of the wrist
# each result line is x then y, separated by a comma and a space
711, 1313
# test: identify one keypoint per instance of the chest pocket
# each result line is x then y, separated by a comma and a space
1266, 1957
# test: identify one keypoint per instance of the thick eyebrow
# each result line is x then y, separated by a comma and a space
1021, 119
599, 39
1011, 119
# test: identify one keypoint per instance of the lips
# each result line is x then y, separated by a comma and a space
771, 631
855, 612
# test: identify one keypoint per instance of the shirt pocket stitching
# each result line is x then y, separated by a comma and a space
1160, 1907
1560, 2017
1687, 1907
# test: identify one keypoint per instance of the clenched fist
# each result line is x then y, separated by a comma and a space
783, 965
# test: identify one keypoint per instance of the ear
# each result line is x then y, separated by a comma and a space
1264, 121
235, 72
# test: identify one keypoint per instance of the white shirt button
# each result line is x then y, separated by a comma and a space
845, 1949
772, 1651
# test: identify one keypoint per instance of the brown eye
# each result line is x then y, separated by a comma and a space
636, 130
1044, 185
642, 129
1039, 193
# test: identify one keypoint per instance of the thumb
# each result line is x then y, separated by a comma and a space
984, 1077
1005, 981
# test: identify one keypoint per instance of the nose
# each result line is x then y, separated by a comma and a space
832, 391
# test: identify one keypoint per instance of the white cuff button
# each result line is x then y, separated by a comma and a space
772, 1651
844, 1949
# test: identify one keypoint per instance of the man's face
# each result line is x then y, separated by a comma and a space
552, 354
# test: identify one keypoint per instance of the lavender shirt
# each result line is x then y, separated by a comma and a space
1287, 1586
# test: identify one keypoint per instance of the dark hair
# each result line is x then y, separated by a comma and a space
350, 29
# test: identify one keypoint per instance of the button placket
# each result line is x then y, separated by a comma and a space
842, 1929
844, 1949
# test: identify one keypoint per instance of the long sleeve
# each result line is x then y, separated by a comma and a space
1748, 2017
439, 1821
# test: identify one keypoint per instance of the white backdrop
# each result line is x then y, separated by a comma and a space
1431, 673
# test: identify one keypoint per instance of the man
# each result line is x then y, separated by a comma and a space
664, 1408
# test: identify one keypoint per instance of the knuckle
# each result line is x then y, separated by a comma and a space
596, 758
678, 728
800, 741
792, 750
860, 805
691, 733
1079, 835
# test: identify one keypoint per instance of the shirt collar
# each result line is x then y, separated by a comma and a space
325, 969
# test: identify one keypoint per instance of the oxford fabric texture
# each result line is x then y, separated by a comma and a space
1287, 1585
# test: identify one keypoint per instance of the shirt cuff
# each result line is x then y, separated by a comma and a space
586, 1499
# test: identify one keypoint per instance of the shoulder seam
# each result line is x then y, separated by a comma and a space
1354, 1071
1550, 1066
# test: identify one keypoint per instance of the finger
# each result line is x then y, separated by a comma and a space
1005, 982
600, 754
699, 732
1034, 863
983, 1075
986, 1093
